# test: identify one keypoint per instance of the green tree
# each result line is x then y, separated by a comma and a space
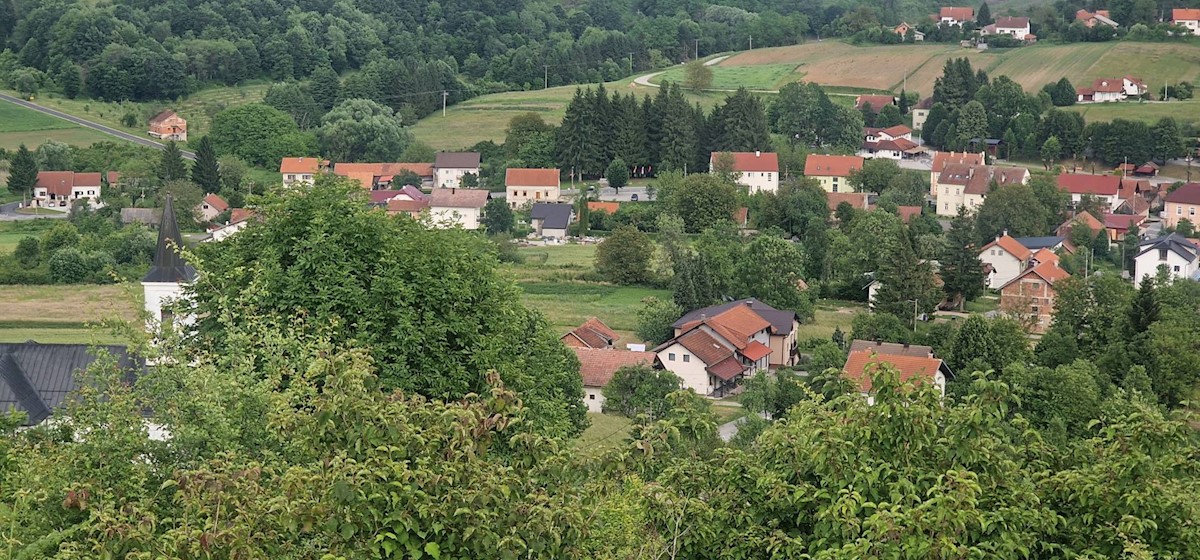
170, 163
362, 130
774, 395
903, 278
770, 269
206, 170
654, 320
521, 129
740, 124
961, 270
63, 234
1049, 152
1014, 208
693, 283
875, 175
638, 390
624, 256
701, 200
696, 76
983, 17
22, 174
248, 132
617, 174
1145, 310
497, 217
53, 155
1168, 139
28, 252
331, 269
325, 87
989, 343
69, 80
889, 116
295, 101
972, 124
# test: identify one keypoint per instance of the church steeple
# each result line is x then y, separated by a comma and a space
169, 266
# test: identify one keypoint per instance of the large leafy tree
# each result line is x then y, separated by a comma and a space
362, 130
770, 269
701, 199
497, 217
258, 134
637, 390
323, 263
624, 257
1015, 208
295, 101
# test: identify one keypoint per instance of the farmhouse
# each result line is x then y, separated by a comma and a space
1187, 17
833, 172
168, 126
1182, 204
876, 102
300, 170
449, 168
757, 171
593, 333
1015, 27
783, 327
211, 207
551, 219
597, 367
861, 365
1102, 187
62, 188
381, 176
523, 185
1092, 19
1171, 253
457, 207
711, 354
1031, 295
949, 15
942, 159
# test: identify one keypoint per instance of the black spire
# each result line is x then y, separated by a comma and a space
169, 265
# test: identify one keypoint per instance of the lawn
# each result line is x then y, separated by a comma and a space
12, 233
606, 431
19, 125
1186, 111
760, 77
830, 315
65, 313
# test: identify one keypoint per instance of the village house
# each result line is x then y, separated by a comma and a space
757, 171
1006, 258
523, 185
1015, 27
300, 170
784, 325
62, 188
857, 201
1102, 187
1092, 19
1187, 17
1030, 297
956, 16
551, 219
910, 363
381, 176
593, 333
1117, 225
598, 366
892, 143
38, 379
457, 207
168, 126
920, 113
239, 218
449, 168
966, 186
1182, 204
876, 102
211, 207
1107, 90
407, 200
712, 354
1172, 253
942, 159
833, 172
903, 29
1084, 220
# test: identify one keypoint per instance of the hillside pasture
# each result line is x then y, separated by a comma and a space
66, 314
19, 125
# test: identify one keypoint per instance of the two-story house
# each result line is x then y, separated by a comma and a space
449, 168
956, 16
942, 159
967, 186
457, 207
597, 366
1188, 18
1006, 258
300, 171
1172, 253
757, 171
784, 325
1031, 296
1015, 27
1182, 204
211, 207
168, 126
712, 353
892, 143
60, 189
833, 172
1102, 187
523, 185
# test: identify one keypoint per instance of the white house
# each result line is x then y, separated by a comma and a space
757, 171
1006, 258
1133, 87
598, 365
1173, 252
531, 185
712, 353
449, 168
299, 170
1015, 27
967, 185
1102, 187
551, 219
1187, 17
211, 207
861, 364
62, 188
457, 207
956, 16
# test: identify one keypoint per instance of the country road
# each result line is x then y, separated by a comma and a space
92, 125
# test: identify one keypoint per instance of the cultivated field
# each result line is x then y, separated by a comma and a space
65, 314
1182, 110
19, 125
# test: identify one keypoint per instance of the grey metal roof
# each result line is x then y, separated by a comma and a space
781, 321
456, 160
36, 378
1035, 243
1173, 242
169, 265
553, 215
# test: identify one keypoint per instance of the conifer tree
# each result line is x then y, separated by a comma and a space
325, 87
903, 278
740, 125
679, 139
572, 141
171, 166
1145, 309
984, 16
961, 270
206, 171
22, 175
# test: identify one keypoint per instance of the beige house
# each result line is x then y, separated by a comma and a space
1182, 204
523, 185
457, 207
757, 171
712, 354
942, 159
833, 172
862, 365
211, 207
299, 170
784, 324
168, 126
966, 186
449, 168
60, 189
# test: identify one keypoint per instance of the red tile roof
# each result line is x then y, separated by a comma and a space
906, 213
1108, 85
819, 165
56, 182
751, 162
299, 165
458, 198
1185, 194
402, 206
736, 325
727, 369
1084, 218
876, 101
1012, 22
597, 365
215, 202
1009, 244
957, 13
702, 345
896, 131
1050, 272
756, 351
238, 215
593, 333
163, 116
942, 159
525, 177
1044, 255
860, 365
856, 200
1101, 185
899, 145
1122, 222
1185, 14
973, 178
608, 207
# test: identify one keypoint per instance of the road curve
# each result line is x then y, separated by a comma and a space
92, 125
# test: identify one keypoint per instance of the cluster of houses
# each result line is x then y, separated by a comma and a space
1107, 90
957, 16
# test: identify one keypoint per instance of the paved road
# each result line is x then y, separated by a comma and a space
92, 125
8, 213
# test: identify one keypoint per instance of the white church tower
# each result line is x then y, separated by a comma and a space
169, 274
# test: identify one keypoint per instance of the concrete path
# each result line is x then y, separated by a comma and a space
92, 125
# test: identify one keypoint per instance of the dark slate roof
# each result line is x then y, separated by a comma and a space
553, 215
36, 378
1173, 242
781, 321
169, 265
456, 160
1035, 243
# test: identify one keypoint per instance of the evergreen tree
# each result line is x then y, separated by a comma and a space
1145, 310
1064, 93
1168, 140
602, 116
630, 132
582, 210
692, 284
961, 269
206, 171
1009, 143
740, 125
903, 278
938, 114
22, 175
679, 144
652, 116
905, 105
69, 80
972, 125
574, 142
984, 16
888, 116
325, 87
170, 165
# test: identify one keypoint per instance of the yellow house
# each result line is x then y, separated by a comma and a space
833, 172
1182, 204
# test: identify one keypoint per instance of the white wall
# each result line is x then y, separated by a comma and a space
159, 295
290, 179
593, 397
756, 181
1005, 266
468, 218
692, 372
452, 177
1147, 265
518, 195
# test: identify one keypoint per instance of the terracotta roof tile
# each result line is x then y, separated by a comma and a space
593, 333
756, 351
702, 345
1122, 222
859, 366
608, 207
856, 200
1085, 219
401, 206
1044, 255
1047, 271
820, 165
957, 13
216, 202
875, 101
751, 162
299, 165
1011, 245
597, 366
526, 177
726, 369
56, 182
1185, 194
1102, 185
1185, 14
1012, 22
941, 159
907, 213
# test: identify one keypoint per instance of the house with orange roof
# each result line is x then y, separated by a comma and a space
833, 172
609, 208
60, 189
1188, 18
381, 176
239, 218
858, 201
862, 365
903, 29
168, 126
593, 333
1030, 297
300, 170
597, 366
711, 354
1006, 257
211, 207
956, 16
942, 159
524, 185
1083, 219
757, 171
1092, 19
784, 325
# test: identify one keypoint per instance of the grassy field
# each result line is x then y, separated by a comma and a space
761, 77
11, 233
65, 313
608, 431
19, 125
1183, 110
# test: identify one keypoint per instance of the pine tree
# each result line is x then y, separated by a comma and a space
1145, 309
984, 16
652, 116
903, 278
604, 132
961, 270
325, 87
572, 140
22, 175
171, 166
692, 282
679, 139
206, 171
740, 125
631, 132
904, 102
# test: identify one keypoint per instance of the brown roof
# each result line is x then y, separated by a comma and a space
238, 215
458, 198
957, 13
879, 347
751, 162
702, 345
1012, 22
906, 213
1050, 272
1084, 218
299, 165
899, 145
973, 178
216, 202
1045, 255
367, 173
727, 369
736, 325
941, 159
56, 182
163, 116
1122, 222
896, 131
876, 101
1009, 244
609, 207
1103, 185
836, 166
857, 200
402, 206
756, 351
1136, 205
597, 366
1185, 14
1108, 85
593, 333
1009, 175
526, 177
1185, 194
860, 365
456, 160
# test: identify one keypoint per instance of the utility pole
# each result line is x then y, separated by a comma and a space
631, 63
751, 42
914, 302
445, 94
696, 51
545, 76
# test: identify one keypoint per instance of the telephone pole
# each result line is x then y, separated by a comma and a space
696, 49
545, 76
631, 63
751, 42
445, 94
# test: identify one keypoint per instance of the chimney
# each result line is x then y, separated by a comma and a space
757, 153
453, 190
1005, 234
703, 316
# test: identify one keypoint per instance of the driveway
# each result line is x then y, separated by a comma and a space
92, 125
8, 213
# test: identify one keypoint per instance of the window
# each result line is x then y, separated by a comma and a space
1191, 210
1178, 210
671, 357
1033, 308
687, 358
1176, 268
291, 177
1162, 254
591, 396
